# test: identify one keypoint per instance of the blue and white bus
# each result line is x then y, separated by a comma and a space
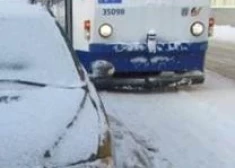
153, 41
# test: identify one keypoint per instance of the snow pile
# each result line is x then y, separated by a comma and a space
224, 33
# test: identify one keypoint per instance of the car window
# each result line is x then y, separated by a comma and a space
30, 56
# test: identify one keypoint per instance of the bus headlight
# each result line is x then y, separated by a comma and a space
197, 28
105, 30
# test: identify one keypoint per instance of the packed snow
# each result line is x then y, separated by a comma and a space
191, 127
224, 33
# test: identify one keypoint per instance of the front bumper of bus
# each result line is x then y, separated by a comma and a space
181, 61
168, 79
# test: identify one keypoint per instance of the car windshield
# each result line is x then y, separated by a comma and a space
32, 49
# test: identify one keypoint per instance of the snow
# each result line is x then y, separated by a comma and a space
129, 47
36, 119
32, 123
160, 59
29, 55
224, 33
191, 127
139, 60
101, 113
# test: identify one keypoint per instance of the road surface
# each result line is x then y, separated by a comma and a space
224, 16
191, 127
221, 58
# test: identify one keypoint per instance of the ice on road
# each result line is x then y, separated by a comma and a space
191, 128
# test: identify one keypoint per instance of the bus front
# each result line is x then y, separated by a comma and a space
161, 42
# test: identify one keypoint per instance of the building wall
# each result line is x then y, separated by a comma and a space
223, 3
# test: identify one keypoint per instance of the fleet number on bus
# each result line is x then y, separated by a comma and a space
113, 11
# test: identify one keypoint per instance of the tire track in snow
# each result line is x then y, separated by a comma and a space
192, 127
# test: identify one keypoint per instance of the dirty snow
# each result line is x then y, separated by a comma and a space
192, 127
224, 33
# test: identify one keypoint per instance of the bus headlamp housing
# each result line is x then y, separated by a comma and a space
105, 30
197, 28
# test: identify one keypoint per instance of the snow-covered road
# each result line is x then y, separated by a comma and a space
191, 128
221, 53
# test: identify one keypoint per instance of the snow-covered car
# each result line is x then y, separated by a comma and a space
50, 114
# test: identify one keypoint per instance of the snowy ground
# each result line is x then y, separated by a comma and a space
220, 57
190, 128
224, 33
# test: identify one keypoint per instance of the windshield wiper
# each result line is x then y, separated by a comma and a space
37, 84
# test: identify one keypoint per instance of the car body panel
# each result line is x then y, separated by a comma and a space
51, 115
33, 120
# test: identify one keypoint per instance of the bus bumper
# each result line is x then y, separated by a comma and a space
168, 79
134, 65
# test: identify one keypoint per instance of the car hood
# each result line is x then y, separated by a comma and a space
47, 126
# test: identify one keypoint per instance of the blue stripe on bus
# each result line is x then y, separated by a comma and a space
188, 57
161, 47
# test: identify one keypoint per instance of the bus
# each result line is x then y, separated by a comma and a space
138, 42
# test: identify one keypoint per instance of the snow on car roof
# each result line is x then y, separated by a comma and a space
31, 46
19, 8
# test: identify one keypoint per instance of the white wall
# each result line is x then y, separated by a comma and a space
223, 3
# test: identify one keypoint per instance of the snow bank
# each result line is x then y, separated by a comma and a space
224, 33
